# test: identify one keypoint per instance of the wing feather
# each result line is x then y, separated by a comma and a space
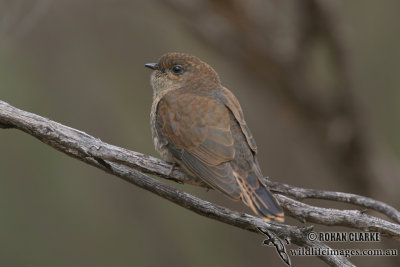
198, 133
210, 138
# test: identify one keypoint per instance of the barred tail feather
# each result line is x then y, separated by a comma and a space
266, 205
260, 200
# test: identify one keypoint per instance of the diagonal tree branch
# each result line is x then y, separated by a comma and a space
244, 221
129, 166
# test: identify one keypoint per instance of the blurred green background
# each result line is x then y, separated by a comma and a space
81, 63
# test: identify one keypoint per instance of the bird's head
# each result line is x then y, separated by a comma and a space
178, 70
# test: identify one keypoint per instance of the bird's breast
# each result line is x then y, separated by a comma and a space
160, 142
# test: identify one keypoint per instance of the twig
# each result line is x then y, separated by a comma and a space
302, 193
128, 164
349, 218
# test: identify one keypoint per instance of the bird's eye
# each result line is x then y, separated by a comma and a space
177, 69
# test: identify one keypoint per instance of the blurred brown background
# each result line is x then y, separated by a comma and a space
318, 82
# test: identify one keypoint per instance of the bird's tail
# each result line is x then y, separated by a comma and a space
256, 195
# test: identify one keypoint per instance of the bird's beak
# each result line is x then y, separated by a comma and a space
153, 66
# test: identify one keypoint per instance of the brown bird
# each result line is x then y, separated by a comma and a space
199, 124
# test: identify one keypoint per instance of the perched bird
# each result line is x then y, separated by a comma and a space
199, 124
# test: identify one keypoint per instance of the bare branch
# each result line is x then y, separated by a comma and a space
349, 218
128, 165
244, 221
366, 202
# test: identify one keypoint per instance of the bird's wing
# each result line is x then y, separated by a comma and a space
229, 99
197, 129
245, 166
